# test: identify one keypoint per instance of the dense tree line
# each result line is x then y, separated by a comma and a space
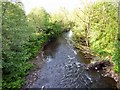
22, 38
15, 34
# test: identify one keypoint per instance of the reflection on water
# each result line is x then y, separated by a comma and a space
83, 60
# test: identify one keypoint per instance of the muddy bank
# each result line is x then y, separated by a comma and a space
105, 66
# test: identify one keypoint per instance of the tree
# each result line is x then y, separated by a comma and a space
103, 28
62, 17
39, 18
98, 24
15, 34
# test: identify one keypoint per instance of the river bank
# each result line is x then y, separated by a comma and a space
95, 62
63, 67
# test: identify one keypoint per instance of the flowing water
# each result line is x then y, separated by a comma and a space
64, 68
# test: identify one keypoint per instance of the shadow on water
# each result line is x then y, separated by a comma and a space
64, 68
83, 60
51, 47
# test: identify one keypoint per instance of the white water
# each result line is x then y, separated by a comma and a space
70, 34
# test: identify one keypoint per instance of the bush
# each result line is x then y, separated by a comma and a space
15, 34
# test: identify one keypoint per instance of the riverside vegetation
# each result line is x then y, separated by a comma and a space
95, 30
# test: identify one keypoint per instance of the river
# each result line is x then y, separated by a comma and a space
64, 68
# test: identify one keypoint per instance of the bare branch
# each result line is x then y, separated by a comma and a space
82, 19
83, 12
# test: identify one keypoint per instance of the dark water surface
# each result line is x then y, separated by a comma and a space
64, 68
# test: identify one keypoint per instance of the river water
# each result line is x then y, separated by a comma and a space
64, 68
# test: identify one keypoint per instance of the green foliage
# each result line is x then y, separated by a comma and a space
23, 36
62, 16
36, 42
44, 30
103, 28
39, 18
15, 34
54, 29
116, 57
102, 32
